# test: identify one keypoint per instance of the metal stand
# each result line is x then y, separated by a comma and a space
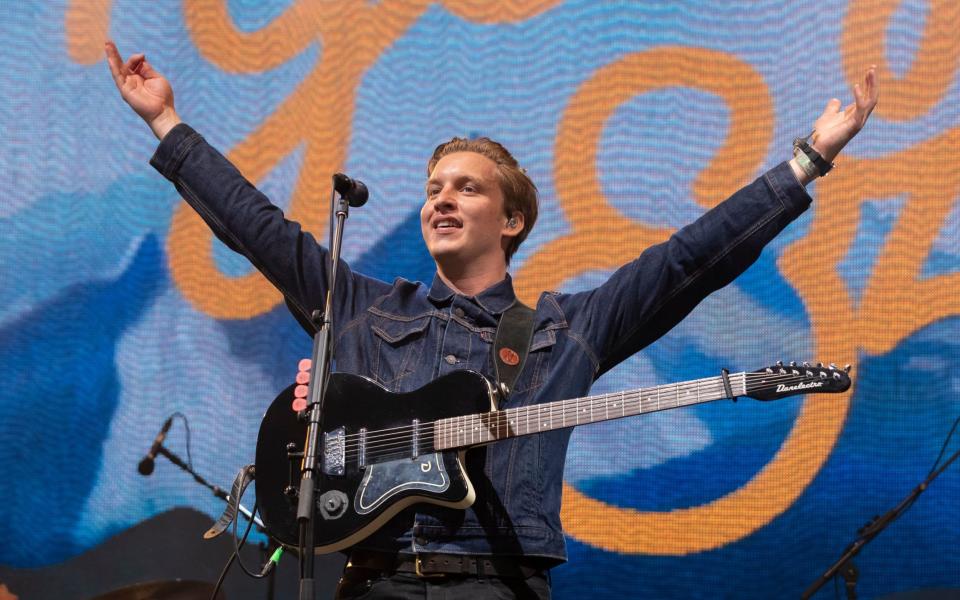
349, 195
869, 531
219, 493
217, 490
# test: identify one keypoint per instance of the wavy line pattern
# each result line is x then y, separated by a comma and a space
118, 308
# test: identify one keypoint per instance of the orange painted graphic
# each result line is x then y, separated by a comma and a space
933, 68
613, 238
318, 116
86, 24
895, 303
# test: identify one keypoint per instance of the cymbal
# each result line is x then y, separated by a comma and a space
164, 590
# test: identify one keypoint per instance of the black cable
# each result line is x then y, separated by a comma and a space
234, 555
186, 425
944, 447
243, 568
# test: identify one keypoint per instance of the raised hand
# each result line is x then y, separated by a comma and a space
835, 127
146, 91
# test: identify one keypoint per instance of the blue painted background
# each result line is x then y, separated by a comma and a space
97, 345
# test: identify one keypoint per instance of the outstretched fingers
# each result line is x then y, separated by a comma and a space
117, 68
866, 95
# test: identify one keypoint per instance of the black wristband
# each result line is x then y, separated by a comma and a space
818, 161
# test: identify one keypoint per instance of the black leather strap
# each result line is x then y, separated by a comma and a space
512, 344
818, 161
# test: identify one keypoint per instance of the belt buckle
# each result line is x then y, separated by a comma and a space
418, 569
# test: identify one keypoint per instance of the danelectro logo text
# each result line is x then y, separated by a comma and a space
799, 386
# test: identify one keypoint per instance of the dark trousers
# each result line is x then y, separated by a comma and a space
357, 584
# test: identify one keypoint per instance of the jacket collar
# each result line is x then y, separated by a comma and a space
495, 299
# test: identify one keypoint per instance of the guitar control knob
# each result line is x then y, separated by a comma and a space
290, 492
332, 504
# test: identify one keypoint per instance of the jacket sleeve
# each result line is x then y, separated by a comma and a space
246, 221
644, 299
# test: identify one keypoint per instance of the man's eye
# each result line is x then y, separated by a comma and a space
469, 189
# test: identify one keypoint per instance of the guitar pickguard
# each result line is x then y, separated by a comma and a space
384, 480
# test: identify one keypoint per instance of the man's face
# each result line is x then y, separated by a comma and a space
463, 219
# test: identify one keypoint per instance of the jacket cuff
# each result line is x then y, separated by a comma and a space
787, 189
173, 149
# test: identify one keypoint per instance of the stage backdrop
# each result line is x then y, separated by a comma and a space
117, 307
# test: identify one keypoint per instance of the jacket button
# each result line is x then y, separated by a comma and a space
458, 311
451, 359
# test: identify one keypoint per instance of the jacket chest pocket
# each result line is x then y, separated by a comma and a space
400, 349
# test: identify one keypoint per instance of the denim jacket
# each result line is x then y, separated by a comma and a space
405, 334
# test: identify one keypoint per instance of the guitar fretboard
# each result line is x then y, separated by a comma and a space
471, 430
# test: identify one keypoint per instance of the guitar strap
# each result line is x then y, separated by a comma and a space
511, 345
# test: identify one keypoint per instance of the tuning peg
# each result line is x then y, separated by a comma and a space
809, 373
846, 368
793, 363
837, 375
806, 364
833, 367
779, 363
823, 375
819, 365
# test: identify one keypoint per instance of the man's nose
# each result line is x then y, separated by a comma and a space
445, 199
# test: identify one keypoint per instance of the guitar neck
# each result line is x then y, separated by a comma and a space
482, 428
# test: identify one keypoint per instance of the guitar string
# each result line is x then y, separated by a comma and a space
666, 388
402, 437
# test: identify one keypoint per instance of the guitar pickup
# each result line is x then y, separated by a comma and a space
334, 451
415, 440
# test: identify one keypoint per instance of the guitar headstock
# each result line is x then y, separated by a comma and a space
780, 380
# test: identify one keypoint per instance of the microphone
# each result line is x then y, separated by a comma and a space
146, 465
351, 190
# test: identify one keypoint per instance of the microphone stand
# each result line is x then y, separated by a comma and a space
869, 531
217, 490
219, 493
307, 506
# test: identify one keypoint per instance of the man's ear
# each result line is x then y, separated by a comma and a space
514, 225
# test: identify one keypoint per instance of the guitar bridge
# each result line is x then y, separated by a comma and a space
334, 451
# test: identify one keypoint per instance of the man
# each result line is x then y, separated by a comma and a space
479, 206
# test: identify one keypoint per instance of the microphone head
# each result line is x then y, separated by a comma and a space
146, 466
351, 190
359, 195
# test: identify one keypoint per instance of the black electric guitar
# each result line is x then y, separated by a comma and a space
381, 452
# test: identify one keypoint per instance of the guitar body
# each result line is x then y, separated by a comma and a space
376, 456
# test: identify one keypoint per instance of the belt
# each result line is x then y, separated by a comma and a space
442, 565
